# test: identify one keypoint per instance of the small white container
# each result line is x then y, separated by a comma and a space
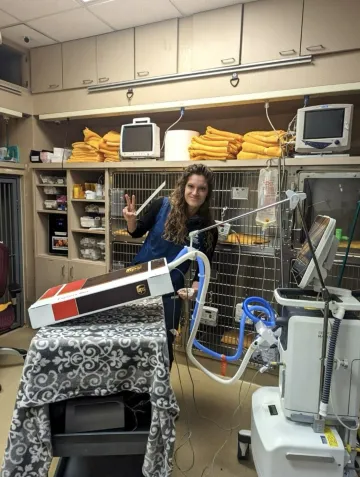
177, 144
88, 222
52, 190
90, 195
51, 205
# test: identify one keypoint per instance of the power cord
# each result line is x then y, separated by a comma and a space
231, 428
65, 142
182, 112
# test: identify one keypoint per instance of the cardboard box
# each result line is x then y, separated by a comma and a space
85, 297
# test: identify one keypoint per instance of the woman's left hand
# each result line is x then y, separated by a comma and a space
188, 293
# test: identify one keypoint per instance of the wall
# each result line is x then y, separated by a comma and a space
325, 70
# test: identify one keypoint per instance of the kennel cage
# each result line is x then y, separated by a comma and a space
247, 266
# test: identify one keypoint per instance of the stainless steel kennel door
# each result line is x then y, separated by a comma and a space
10, 235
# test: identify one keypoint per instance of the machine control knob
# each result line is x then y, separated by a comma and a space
337, 142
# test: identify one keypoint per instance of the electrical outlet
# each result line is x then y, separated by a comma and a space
239, 313
240, 193
209, 316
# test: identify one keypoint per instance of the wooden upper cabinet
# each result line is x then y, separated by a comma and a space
79, 63
271, 30
115, 56
46, 69
156, 48
216, 38
330, 25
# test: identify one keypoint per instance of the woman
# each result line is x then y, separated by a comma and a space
169, 221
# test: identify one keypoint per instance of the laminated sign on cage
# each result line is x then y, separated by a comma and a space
112, 290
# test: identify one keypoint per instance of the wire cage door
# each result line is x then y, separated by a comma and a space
10, 235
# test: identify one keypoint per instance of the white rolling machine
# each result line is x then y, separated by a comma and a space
307, 427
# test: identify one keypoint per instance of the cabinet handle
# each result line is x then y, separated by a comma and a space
63, 271
287, 52
143, 73
88, 81
228, 61
103, 80
53, 86
315, 48
71, 272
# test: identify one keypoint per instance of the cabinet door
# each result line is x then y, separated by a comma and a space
79, 63
115, 56
330, 25
156, 49
216, 38
271, 30
79, 270
49, 272
46, 69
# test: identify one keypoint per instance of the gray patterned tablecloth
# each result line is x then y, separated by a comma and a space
119, 350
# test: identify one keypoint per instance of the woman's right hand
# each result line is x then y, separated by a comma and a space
129, 212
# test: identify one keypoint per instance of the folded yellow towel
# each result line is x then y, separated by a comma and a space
109, 153
210, 130
112, 136
249, 139
273, 151
88, 134
249, 155
278, 132
272, 138
199, 152
206, 141
112, 144
218, 150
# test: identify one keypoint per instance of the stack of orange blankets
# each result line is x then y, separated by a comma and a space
215, 145
262, 145
87, 151
96, 148
110, 146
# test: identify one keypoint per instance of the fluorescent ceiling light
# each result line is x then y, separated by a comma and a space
96, 1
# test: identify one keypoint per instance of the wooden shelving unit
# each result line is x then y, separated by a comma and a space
52, 269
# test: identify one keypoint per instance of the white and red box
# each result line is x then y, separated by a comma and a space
112, 290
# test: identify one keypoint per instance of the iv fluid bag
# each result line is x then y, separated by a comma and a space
267, 192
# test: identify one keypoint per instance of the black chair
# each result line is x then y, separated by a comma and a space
7, 309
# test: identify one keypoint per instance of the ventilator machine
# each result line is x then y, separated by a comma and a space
307, 426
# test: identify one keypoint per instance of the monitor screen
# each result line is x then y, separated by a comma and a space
137, 138
324, 123
316, 233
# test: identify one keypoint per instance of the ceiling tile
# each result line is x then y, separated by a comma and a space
6, 20
17, 33
189, 7
121, 14
29, 9
70, 25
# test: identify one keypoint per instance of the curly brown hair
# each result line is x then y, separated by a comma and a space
175, 226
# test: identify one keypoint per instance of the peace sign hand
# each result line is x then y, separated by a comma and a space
129, 212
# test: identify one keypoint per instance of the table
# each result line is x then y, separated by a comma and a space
119, 350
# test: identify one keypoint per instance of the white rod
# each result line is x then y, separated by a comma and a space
151, 198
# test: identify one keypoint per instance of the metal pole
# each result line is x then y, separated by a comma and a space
319, 423
196, 232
